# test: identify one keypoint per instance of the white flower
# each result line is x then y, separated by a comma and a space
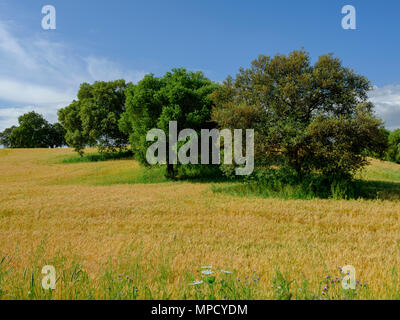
207, 272
196, 283
226, 271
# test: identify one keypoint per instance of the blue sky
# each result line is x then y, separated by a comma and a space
104, 40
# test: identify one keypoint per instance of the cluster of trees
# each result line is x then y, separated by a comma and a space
33, 131
307, 117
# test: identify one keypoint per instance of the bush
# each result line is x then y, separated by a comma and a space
287, 183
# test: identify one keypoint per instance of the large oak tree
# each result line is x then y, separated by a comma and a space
309, 117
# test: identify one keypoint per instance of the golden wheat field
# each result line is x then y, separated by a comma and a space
90, 212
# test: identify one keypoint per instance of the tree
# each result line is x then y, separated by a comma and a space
70, 119
93, 118
178, 96
393, 153
306, 117
5, 137
338, 145
56, 137
33, 132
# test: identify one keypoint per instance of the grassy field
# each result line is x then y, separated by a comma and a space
114, 230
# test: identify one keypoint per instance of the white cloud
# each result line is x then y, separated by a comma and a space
387, 102
11, 47
103, 69
21, 92
8, 116
42, 75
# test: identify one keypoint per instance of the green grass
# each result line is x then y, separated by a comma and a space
244, 189
97, 157
378, 181
381, 174
124, 172
365, 190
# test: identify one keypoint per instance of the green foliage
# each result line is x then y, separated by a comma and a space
277, 184
103, 175
383, 151
200, 173
57, 138
5, 137
98, 157
281, 286
288, 183
337, 145
393, 152
33, 132
311, 118
178, 96
93, 118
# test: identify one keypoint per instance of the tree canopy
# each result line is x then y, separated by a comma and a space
179, 95
33, 132
393, 153
5, 137
93, 118
308, 117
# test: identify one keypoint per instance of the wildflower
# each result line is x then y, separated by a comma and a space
195, 283
207, 272
226, 271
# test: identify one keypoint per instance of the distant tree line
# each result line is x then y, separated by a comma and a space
33, 131
308, 118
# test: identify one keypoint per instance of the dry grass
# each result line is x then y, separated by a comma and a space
58, 203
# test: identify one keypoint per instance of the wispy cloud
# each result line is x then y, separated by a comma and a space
26, 92
387, 102
8, 116
105, 70
42, 75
